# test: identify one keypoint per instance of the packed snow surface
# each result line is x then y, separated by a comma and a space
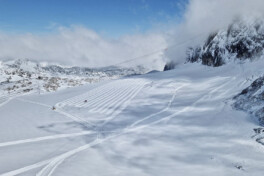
178, 122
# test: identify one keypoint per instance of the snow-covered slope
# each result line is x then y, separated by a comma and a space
185, 121
179, 122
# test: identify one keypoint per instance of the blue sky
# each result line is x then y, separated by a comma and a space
108, 17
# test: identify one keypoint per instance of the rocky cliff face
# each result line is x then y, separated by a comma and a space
242, 40
251, 100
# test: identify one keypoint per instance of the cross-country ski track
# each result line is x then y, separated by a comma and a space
126, 107
54, 162
116, 95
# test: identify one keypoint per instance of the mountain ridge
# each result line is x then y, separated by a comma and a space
242, 40
23, 75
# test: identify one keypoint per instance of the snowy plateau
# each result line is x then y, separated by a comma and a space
193, 120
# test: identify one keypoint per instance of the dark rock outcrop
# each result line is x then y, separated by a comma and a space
251, 100
169, 66
242, 40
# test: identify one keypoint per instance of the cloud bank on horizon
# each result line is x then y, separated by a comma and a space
203, 17
81, 46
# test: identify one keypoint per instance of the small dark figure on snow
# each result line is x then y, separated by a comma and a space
85, 101
53, 108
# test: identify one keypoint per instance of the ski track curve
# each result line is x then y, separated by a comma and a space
59, 136
60, 111
53, 163
108, 98
163, 110
27, 168
4, 99
50, 168
137, 125
115, 110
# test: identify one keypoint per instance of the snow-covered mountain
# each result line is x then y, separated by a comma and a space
244, 39
19, 76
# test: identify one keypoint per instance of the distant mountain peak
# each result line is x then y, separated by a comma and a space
24, 75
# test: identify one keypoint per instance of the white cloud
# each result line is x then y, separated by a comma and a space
203, 17
80, 46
